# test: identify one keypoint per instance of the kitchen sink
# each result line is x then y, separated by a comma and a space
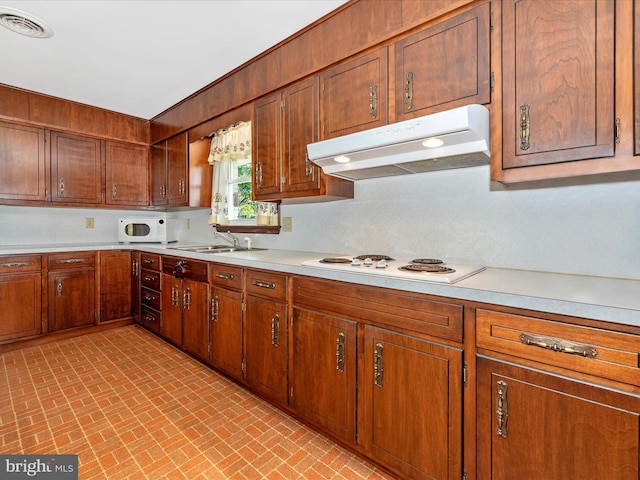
215, 249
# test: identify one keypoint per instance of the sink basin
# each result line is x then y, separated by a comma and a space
215, 249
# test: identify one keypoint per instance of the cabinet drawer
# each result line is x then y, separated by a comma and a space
185, 268
59, 261
151, 319
589, 350
150, 279
20, 263
150, 298
225, 276
150, 261
266, 284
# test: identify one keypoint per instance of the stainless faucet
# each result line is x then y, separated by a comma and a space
229, 237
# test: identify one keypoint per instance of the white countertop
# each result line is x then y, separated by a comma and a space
599, 298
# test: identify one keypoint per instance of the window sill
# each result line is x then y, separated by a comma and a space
267, 229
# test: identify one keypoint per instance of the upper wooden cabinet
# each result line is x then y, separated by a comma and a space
284, 123
354, 95
76, 169
22, 162
444, 66
127, 174
169, 178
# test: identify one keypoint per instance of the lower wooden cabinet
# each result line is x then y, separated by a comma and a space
322, 372
411, 404
115, 285
225, 331
20, 297
534, 425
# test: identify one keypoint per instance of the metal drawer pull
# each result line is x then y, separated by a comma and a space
408, 91
72, 260
61, 187
340, 352
215, 308
225, 276
373, 101
275, 330
148, 261
59, 288
149, 318
174, 296
186, 299
114, 191
148, 278
378, 365
264, 284
134, 268
14, 265
259, 174
525, 124
149, 297
559, 345
501, 409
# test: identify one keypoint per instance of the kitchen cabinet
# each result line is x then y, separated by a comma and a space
322, 371
150, 293
412, 408
135, 285
266, 334
558, 86
226, 325
354, 95
23, 166
126, 174
444, 66
185, 304
72, 289
115, 285
552, 398
169, 179
76, 169
284, 123
20, 297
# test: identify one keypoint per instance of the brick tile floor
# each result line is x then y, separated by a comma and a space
133, 407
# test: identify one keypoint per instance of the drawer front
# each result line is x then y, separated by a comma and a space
225, 276
150, 298
266, 284
150, 279
150, 261
589, 350
186, 268
67, 260
151, 319
20, 263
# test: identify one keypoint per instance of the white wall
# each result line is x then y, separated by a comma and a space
453, 215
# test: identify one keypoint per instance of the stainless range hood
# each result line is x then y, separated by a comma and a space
452, 139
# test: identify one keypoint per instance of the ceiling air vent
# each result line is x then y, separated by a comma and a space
24, 23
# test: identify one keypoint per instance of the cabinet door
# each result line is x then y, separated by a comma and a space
266, 348
171, 305
558, 81
266, 152
412, 398
127, 173
135, 284
195, 318
323, 371
444, 66
71, 298
177, 161
115, 285
76, 169
21, 305
301, 121
533, 425
22, 163
158, 166
225, 333
354, 95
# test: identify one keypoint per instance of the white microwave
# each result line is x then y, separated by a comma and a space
147, 230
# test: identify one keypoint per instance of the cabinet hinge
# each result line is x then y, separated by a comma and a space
618, 130
243, 305
492, 21
465, 374
244, 367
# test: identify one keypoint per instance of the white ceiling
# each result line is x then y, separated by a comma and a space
140, 57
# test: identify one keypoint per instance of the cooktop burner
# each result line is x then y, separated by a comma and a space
335, 260
426, 268
427, 261
374, 258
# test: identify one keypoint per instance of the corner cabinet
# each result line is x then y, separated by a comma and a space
126, 174
169, 174
283, 124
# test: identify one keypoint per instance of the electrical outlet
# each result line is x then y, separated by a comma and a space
188, 224
287, 224
88, 222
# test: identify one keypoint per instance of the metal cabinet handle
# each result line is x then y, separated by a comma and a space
258, 174
148, 261
373, 101
14, 265
408, 91
224, 276
308, 167
147, 278
525, 124
264, 284
378, 365
61, 187
340, 352
59, 288
275, 330
149, 318
559, 345
175, 301
215, 306
67, 261
186, 299
134, 268
501, 409
114, 191
149, 297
